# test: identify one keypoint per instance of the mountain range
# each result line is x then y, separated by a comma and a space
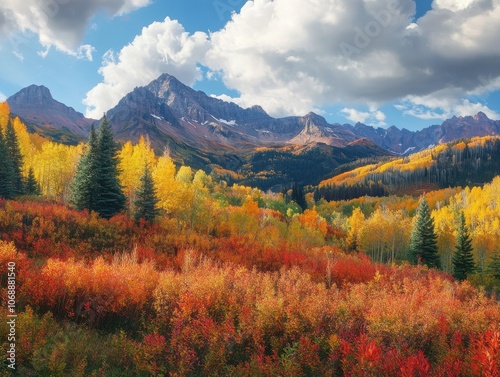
206, 132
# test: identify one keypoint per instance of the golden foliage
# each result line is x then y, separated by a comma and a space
132, 159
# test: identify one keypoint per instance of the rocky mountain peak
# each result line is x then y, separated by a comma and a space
36, 105
167, 86
34, 94
317, 119
258, 108
480, 116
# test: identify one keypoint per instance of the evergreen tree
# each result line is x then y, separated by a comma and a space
146, 198
31, 186
110, 198
463, 260
16, 158
494, 267
284, 192
6, 171
298, 196
84, 186
423, 241
96, 186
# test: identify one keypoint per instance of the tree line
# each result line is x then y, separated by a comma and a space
333, 192
461, 163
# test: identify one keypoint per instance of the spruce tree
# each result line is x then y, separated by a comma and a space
110, 198
16, 158
423, 241
146, 198
31, 187
84, 185
463, 259
298, 196
7, 190
494, 267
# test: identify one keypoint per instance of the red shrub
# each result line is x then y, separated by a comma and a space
486, 354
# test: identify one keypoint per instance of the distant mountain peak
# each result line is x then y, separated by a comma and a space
481, 116
41, 88
37, 94
313, 115
165, 77
36, 105
258, 108
166, 80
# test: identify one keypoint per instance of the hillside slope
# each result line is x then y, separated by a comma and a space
470, 162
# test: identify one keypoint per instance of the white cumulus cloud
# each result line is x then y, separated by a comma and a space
432, 108
3, 97
161, 47
453, 5
355, 115
84, 52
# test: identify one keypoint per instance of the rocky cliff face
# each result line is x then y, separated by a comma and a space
35, 105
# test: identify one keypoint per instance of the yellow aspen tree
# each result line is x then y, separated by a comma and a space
132, 159
54, 167
166, 186
26, 145
444, 220
4, 114
184, 195
356, 224
376, 235
200, 199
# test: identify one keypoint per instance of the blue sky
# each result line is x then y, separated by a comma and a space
392, 62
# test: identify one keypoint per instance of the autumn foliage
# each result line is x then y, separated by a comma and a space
231, 281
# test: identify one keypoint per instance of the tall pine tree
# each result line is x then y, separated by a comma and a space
110, 198
463, 259
423, 240
16, 158
96, 186
84, 185
494, 267
146, 198
31, 186
7, 190
298, 196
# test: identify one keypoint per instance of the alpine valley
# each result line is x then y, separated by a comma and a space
239, 145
